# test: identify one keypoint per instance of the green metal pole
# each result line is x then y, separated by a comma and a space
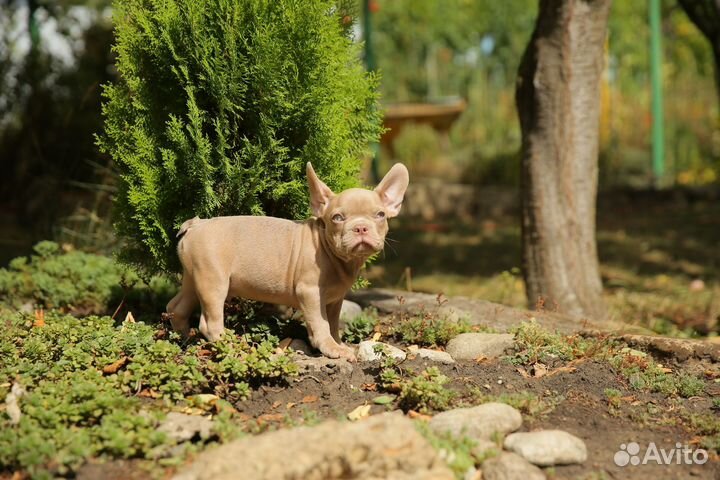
371, 66
658, 133
33, 27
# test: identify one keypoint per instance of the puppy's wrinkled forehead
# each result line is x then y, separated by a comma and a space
356, 201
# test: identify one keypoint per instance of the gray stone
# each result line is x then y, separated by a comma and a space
300, 345
182, 427
349, 310
547, 447
469, 346
479, 422
382, 446
478, 312
434, 355
510, 466
366, 351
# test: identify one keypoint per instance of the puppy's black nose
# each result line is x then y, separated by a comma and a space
361, 229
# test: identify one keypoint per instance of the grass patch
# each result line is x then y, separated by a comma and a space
535, 344
460, 453
527, 403
424, 392
77, 282
97, 389
361, 327
707, 426
643, 373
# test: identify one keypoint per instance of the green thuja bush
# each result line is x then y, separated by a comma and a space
220, 104
80, 283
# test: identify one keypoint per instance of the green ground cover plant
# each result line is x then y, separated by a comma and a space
536, 344
460, 453
429, 329
88, 383
361, 327
528, 403
61, 277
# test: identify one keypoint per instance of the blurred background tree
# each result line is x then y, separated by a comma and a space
428, 50
49, 111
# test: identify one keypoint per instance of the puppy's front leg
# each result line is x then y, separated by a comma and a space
333, 314
318, 326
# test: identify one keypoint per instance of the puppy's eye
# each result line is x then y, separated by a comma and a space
380, 215
338, 218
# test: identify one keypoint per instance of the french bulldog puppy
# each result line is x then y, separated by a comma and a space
308, 265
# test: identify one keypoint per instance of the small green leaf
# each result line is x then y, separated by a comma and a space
383, 400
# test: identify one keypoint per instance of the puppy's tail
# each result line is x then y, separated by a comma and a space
187, 225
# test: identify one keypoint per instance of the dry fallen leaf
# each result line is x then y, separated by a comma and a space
481, 359
148, 393
416, 415
290, 405
129, 318
522, 372
243, 417
309, 399
539, 370
115, 366
369, 387
271, 417
39, 318
359, 412
566, 369
276, 404
285, 343
205, 398
376, 336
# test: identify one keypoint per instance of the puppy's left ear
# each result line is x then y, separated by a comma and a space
320, 194
392, 189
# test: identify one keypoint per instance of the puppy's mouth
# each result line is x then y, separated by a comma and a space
364, 246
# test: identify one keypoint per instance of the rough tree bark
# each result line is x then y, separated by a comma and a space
558, 102
705, 14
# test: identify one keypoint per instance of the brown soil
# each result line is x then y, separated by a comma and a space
582, 410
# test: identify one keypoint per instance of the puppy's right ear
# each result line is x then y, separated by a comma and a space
320, 194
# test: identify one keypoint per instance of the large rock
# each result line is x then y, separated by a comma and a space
349, 311
182, 427
480, 312
547, 447
434, 355
479, 422
510, 466
383, 446
366, 351
469, 346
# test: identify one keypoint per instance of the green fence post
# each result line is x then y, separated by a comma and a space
658, 134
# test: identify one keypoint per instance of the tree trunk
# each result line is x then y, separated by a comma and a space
705, 14
558, 102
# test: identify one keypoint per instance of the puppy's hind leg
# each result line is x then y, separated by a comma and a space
182, 305
212, 301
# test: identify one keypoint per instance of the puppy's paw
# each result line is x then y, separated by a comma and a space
339, 351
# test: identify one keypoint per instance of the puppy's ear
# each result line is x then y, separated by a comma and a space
392, 189
320, 194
